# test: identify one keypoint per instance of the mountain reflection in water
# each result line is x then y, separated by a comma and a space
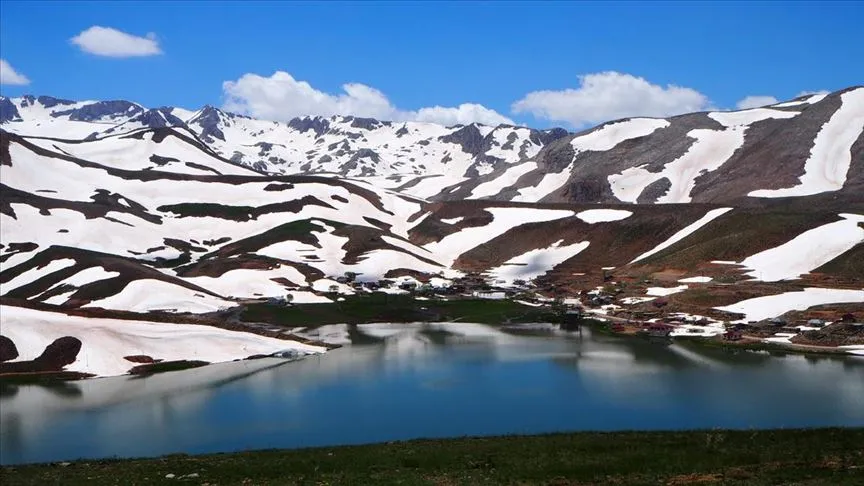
402, 381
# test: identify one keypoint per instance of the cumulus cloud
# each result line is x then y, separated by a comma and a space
282, 97
108, 42
755, 102
9, 76
611, 95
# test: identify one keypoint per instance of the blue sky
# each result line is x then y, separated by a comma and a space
424, 54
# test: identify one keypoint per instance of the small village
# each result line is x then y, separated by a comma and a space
605, 307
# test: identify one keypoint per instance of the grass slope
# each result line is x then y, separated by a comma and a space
801, 457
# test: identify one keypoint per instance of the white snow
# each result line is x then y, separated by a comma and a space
812, 99
59, 299
503, 219
663, 291
807, 251
35, 274
90, 275
780, 338
710, 150
503, 181
534, 263
759, 308
592, 216
611, 134
601, 139
636, 300
748, 117
149, 295
831, 155
248, 283
687, 231
106, 341
453, 220
695, 280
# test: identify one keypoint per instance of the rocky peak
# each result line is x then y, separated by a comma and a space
99, 110
209, 119
468, 137
8, 110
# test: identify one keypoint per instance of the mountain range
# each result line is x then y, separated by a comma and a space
113, 210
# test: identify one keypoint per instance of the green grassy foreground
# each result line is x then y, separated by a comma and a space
799, 457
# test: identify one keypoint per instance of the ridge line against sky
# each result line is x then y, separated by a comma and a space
538, 63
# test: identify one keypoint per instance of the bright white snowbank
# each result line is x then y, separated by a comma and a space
248, 283
536, 262
592, 216
150, 295
831, 155
90, 275
612, 134
35, 274
503, 181
453, 220
807, 251
710, 150
780, 338
663, 291
106, 341
748, 117
687, 231
503, 220
695, 280
760, 308
598, 140
812, 99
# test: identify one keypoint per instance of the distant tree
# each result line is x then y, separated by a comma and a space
334, 289
351, 276
288, 299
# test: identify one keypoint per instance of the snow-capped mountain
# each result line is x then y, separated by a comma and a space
110, 207
806, 146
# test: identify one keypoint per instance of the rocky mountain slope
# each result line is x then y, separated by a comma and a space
110, 209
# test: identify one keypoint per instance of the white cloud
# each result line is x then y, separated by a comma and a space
108, 42
282, 97
755, 102
608, 96
8, 75
463, 114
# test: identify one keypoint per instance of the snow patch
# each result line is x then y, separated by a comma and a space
687, 231
760, 308
106, 341
831, 155
592, 216
807, 251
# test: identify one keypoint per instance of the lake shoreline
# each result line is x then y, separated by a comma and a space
803, 456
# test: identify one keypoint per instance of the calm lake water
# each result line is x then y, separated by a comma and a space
402, 382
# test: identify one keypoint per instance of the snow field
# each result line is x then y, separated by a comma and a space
106, 341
